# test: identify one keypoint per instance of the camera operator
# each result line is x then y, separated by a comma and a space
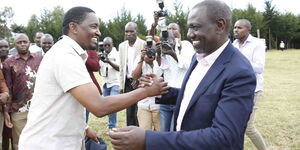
110, 72
148, 112
174, 60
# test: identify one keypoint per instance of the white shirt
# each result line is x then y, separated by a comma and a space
195, 78
149, 102
35, 49
56, 120
255, 51
112, 77
174, 71
130, 60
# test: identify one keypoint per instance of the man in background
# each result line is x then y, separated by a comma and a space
19, 72
4, 48
254, 50
109, 70
129, 50
46, 43
36, 47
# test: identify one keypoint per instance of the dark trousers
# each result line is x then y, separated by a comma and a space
131, 112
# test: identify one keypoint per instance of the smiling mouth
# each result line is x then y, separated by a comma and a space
94, 40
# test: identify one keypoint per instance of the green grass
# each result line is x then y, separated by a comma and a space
278, 112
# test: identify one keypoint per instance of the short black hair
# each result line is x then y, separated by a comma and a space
76, 15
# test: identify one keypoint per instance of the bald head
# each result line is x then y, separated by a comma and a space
21, 36
245, 22
46, 42
4, 47
22, 44
108, 44
217, 10
131, 32
131, 25
174, 27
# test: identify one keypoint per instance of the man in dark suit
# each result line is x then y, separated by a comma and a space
215, 100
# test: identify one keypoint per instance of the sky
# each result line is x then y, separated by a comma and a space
107, 9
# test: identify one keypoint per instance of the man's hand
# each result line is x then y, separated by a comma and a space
7, 120
155, 85
128, 138
4, 98
91, 134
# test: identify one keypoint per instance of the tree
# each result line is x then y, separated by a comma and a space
271, 20
51, 22
6, 14
288, 28
32, 27
17, 28
180, 17
256, 18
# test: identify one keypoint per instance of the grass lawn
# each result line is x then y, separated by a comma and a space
276, 118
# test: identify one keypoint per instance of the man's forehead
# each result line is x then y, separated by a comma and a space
197, 15
91, 18
21, 38
3, 42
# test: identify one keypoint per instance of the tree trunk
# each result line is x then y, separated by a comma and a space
270, 38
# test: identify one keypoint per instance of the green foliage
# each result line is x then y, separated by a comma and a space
33, 26
51, 22
273, 25
115, 28
256, 18
6, 15
180, 17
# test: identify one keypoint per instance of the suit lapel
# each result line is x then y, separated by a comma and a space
212, 74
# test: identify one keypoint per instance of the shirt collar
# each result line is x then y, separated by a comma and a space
78, 49
211, 58
19, 57
249, 39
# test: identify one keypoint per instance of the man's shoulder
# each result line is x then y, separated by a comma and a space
10, 59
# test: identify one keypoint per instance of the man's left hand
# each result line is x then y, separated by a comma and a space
92, 134
128, 138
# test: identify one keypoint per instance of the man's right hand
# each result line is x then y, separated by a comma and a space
4, 98
7, 120
154, 85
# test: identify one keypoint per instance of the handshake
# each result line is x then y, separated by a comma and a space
133, 137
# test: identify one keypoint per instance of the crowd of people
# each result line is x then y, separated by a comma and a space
177, 94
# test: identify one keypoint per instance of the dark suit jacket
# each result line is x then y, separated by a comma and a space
218, 112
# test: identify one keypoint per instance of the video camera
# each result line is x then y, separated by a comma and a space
161, 12
103, 54
150, 52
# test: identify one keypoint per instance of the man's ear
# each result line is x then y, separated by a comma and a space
73, 27
221, 25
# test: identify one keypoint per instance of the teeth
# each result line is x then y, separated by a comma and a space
196, 42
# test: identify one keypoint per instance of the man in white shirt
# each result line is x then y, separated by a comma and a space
56, 119
174, 62
129, 50
109, 70
254, 50
148, 112
36, 47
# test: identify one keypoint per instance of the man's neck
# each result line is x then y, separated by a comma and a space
243, 39
25, 56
